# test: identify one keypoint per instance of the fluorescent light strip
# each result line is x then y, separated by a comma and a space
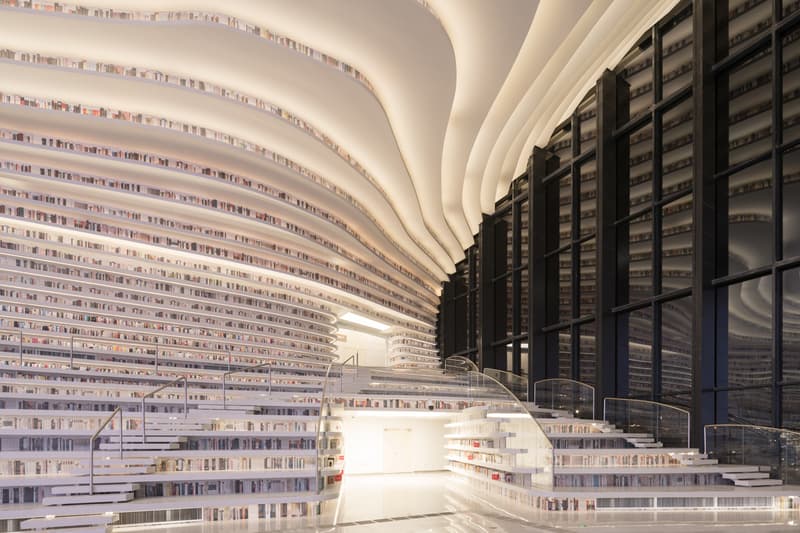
364, 321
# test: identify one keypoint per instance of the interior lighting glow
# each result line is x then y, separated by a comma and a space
364, 321
398, 413
507, 415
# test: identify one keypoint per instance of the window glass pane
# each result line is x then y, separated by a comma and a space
676, 346
640, 258
676, 50
750, 332
791, 86
460, 311
791, 407
587, 115
524, 279
640, 352
791, 201
502, 307
676, 245
561, 145
750, 406
523, 220
565, 285
640, 172
677, 148
587, 354
508, 287
791, 325
588, 272
750, 218
565, 210
564, 354
588, 173
503, 242
747, 20
524, 357
637, 69
749, 108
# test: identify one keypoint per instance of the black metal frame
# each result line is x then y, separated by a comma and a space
707, 94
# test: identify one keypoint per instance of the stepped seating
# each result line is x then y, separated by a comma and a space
569, 434
49, 404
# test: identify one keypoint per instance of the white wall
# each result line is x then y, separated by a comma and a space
372, 349
375, 445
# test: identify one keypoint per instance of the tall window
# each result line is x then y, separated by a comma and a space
757, 185
654, 215
571, 226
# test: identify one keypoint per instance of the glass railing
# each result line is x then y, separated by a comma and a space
666, 423
457, 363
518, 385
743, 444
525, 433
566, 395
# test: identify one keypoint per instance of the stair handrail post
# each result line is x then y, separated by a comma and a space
91, 445
705, 439
225, 375
120, 434
159, 389
156, 343
71, 351
20, 344
224, 394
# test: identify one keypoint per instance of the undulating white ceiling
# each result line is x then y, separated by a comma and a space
434, 111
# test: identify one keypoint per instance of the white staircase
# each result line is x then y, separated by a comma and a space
139, 457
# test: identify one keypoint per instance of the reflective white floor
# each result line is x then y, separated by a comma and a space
439, 502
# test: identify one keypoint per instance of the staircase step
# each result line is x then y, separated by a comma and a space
100, 470
98, 488
699, 461
104, 497
648, 445
81, 529
110, 446
116, 461
154, 437
757, 482
69, 521
745, 475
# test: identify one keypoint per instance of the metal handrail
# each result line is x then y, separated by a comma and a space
319, 427
666, 405
116, 411
581, 383
159, 389
268, 364
472, 367
743, 426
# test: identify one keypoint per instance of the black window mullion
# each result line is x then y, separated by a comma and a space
777, 213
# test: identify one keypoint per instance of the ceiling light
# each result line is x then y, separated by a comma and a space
363, 321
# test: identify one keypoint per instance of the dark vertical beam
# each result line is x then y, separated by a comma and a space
516, 281
706, 154
530, 273
575, 251
448, 320
612, 106
486, 290
537, 266
657, 224
777, 211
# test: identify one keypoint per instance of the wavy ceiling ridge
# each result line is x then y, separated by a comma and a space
238, 24
218, 91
